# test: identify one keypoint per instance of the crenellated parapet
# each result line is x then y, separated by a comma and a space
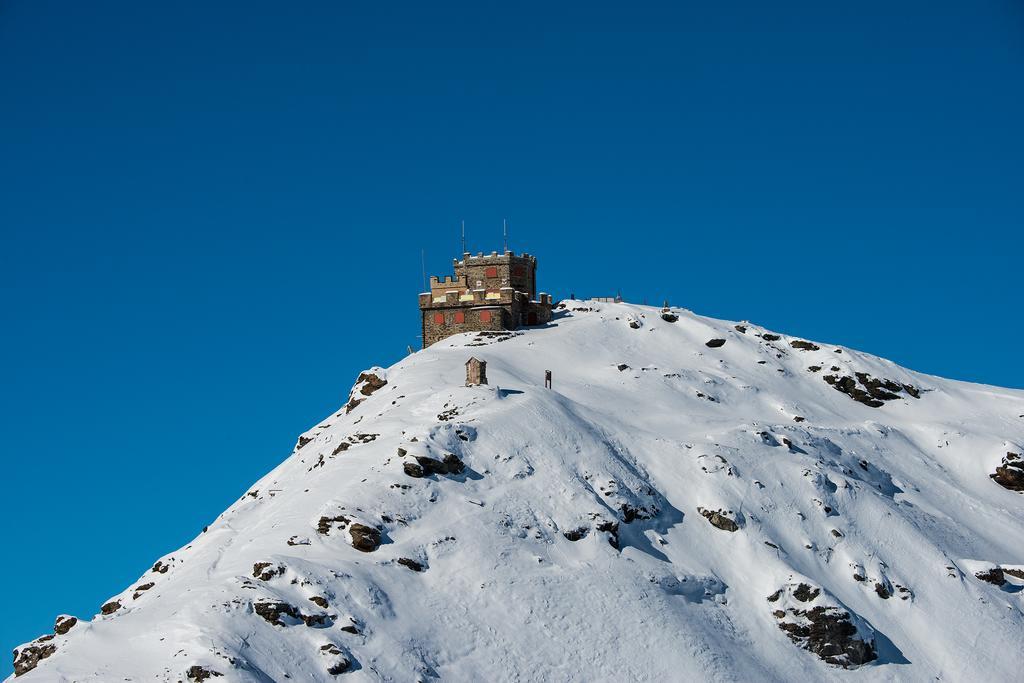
487, 292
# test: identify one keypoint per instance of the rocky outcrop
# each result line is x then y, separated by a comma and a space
273, 610
411, 564
804, 345
719, 519
424, 466
368, 382
714, 343
1010, 474
872, 392
110, 607
818, 623
201, 673
265, 571
27, 657
64, 624
364, 538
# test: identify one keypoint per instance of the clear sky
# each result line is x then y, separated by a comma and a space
212, 215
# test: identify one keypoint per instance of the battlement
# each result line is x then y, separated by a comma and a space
482, 259
488, 292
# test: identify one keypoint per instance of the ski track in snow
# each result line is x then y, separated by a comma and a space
899, 495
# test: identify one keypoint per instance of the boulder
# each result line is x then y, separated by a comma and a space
1010, 474
818, 623
714, 343
27, 657
364, 538
719, 520
64, 624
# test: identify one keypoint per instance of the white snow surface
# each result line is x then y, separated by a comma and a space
505, 596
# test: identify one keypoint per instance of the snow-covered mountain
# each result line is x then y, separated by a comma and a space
693, 500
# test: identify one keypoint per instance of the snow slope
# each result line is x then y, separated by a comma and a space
884, 514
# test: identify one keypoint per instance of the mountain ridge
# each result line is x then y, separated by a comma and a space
693, 499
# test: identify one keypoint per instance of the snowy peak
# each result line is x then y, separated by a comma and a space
692, 499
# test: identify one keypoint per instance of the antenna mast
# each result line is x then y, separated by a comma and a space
463, 237
504, 233
423, 262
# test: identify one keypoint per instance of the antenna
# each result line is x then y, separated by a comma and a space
463, 238
504, 233
423, 262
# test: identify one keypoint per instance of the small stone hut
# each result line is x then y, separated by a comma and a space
476, 372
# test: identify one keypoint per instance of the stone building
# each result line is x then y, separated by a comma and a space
488, 292
476, 372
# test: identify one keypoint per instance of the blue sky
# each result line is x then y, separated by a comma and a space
212, 216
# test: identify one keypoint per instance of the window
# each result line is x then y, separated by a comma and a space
492, 271
439, 318
485, 316
460, 317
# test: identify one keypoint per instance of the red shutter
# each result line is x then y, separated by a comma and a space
439, 318
492, 272
485, 316
460, 317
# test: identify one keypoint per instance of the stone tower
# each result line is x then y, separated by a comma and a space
488, 292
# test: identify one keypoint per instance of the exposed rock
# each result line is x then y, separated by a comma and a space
110, 607
339, 667
805, 593
714, 343
994, 576
272, 610
874, 392
613, 532
201, 673
576, 534
668, 316
320, 601
411, 564
718, 519
453, 465
265, 571
160, 567
804, 345
622, 366
27, 657
770, 337
368, 382
825, 629
64, 624
298, 540
1010, 474
325, 524
1015, 573
882, 591
364, 538
742, 329
141, 589
413, 470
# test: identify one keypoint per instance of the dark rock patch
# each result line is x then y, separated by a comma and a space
201, 673
1010, 474
805, 593
110, 607
265, 571
160, 567
27, 657
882, 591
668, 316
364, 538
804, 345
370, 383
770, 337
411, 564
719, 520
64, 624
874, 392
577, 534
714, 343
141, 589
273, 610
612, 528
742, 329
994, 576
828, 633
319, 601
413, 470
325, 524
